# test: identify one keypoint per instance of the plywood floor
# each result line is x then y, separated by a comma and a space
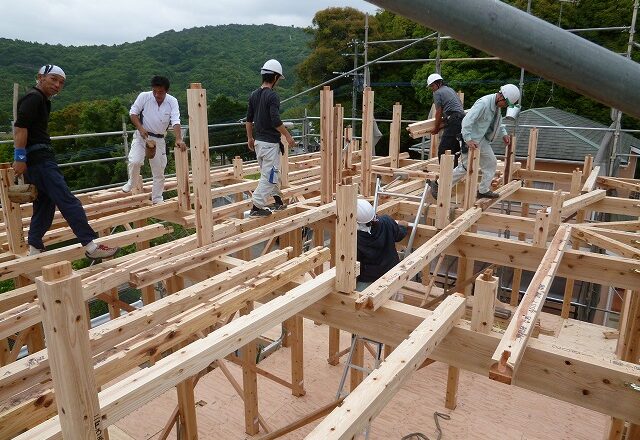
486, 409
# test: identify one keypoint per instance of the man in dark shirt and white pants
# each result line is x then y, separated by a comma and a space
34, 157
264, 129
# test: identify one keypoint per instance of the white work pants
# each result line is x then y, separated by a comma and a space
158, 164
488, 165
268, 155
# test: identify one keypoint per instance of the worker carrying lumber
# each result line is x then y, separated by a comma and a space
377, 237
34, 157
480, 127
449, 114
264, 130
152, 113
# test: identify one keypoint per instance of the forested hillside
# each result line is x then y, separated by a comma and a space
225, 59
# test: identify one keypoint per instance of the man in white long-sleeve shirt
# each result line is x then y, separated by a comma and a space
153, 113
480, 126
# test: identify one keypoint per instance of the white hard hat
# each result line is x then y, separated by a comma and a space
511, 93
272, 66
365, 212
433, 78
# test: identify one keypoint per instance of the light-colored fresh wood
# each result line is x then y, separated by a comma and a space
484, 302
346, 239
394, 134
326, 143
367, 140
444, 190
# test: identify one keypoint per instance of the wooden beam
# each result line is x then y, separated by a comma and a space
199, 144
141, 387
65, 324
370, 398
508, 355
591, 236
394, 135
590, 183
582, 201
382, 289
326, 142
444, 190
345, 244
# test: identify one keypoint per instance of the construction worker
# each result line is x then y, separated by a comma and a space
152, 113
449, 114
480, 127
264, 129
34, 157
377, 237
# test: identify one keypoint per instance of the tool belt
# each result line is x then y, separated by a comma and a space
150, 148
22, 193
155, 135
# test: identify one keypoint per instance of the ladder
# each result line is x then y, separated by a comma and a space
349, 365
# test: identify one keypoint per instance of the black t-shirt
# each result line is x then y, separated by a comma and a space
33, 114
264, 112
377, 251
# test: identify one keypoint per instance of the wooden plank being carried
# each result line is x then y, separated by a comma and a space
382, 289
508, 355
375, 392
120, 399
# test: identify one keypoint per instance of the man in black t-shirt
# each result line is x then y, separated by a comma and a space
264, 129
34, 157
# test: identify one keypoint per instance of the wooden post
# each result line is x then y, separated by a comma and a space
444, 190
453, 378
355, 375
587, 167
509, 157
297, 355
576, 185
182, 179
345, 243
541, 229
515, 287
250, 382
433, 150
555, 214
367, 141
70, 358
238, 175
238, 168
11, 213
394, 135
532, 149
326, 141
471, 184
284, 164
199, 145
484, 302
337, 145
187, 409
348, 138
334, 346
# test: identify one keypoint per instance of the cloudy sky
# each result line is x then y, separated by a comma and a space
87, 22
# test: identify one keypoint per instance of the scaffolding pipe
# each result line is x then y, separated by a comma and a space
533, 44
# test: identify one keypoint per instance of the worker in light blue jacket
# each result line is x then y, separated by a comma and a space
480, 126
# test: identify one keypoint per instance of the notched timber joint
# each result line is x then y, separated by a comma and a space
501, 371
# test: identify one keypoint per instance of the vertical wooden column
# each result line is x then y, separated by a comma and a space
356, 376
148, 292
587, 167
541, 229
433, 144
338, 144
187, 409
576, 186
11, 213
394, 135
367, 141
451, 396
238, 175
199, 145
284, 164
348, 138
627, 349
484, 302
182, 179
346, 238
334, 346
555, 214
471, 184
296, 324
70, 358
509, 157
444, 190
250, 382
326, 142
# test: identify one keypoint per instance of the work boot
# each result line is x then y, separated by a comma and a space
259, 212
101, 251
488, 195
278, 205
434, 189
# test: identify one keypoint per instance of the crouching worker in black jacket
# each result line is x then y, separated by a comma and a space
377, 237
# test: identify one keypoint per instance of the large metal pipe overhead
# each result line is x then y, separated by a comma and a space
529, 42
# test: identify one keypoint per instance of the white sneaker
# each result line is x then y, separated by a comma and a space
127, 187
102, 251
34, 250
